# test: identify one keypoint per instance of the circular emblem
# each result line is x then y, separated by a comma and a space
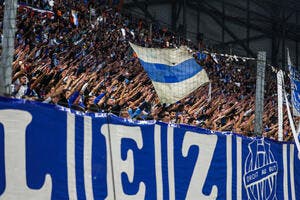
260, 171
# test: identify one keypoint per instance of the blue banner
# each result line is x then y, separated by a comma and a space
47, 152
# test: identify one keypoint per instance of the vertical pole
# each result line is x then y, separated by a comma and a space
9, 29
275, 30
198, 20
297, 42
223, 21
283, 60
280, 104
184, 19
150, 30
90, 16
260, 88
248, 25
174, 9
198, 28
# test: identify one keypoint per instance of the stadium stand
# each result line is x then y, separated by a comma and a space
90, 67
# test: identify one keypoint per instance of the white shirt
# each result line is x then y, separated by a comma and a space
22, 91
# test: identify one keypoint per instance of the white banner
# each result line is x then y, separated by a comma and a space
50, 154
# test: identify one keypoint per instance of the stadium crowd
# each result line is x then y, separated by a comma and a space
90, 67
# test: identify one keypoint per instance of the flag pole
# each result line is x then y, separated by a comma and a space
280, 82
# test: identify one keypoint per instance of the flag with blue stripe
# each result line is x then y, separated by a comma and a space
296, 96
295, 89
174, 72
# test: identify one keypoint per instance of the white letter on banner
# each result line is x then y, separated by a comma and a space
206, 145
117, 133
71, 156
229, 166
158, 169
110, 190
171, 172
285, 171
292, 171
239, 168
88, 137
15, 123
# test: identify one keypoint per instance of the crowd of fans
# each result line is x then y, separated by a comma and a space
90, 67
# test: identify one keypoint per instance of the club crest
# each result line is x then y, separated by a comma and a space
260, 171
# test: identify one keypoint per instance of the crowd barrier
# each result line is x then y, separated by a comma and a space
49, 153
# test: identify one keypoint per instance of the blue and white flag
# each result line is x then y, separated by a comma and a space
296, 96
174, 72
295, 89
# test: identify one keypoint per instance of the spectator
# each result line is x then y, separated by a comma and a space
91, 68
